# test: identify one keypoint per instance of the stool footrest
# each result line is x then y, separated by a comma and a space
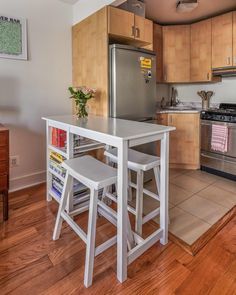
80, 209
114, 199
151, 215
74, 226
106, 245
106, 213
146, 192
138, 250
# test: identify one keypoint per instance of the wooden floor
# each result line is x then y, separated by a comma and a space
31, 263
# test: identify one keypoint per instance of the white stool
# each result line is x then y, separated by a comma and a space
95, 175
140, 162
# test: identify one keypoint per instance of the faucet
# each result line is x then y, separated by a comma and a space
173, 99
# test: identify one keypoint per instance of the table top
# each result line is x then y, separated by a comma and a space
123, 129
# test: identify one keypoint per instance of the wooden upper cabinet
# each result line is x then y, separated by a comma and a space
125, 25
222, 41
143, 29
120, 23
201, 51
234, 38
90, 59
158, 48
176, 53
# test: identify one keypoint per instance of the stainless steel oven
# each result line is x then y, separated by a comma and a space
224, 162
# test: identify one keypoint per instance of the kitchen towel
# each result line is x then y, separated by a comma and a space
219, 138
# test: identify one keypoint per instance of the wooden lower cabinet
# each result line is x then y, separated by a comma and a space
185, 140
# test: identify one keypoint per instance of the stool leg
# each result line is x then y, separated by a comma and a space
130, 196
91, 234
64, 199
139, 203
157, 178
130, 236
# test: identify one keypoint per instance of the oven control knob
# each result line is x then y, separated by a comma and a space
222, 118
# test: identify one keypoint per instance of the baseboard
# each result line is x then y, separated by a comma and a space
185, 166
25, 181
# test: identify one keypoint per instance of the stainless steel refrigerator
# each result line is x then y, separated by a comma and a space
132, 83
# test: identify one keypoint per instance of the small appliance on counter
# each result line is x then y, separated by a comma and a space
218, 140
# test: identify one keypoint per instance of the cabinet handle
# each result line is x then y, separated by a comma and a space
164, 73
137, 33
133, 31
228, 60
208, 76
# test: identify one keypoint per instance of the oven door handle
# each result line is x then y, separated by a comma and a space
220, 157
209, 123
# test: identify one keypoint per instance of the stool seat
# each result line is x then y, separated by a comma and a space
136, 160
91, 172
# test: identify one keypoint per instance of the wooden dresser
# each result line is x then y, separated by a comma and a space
4, 168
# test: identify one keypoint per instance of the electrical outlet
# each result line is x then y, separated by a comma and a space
14, 161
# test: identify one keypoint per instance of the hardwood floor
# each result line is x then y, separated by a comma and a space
31, 263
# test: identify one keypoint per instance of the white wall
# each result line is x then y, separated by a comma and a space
225, 91
37, 87
84, 8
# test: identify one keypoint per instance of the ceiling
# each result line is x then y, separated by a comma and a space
164, 11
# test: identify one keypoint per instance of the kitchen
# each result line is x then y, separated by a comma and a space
149, 67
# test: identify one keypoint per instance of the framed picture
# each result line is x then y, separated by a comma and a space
13, 37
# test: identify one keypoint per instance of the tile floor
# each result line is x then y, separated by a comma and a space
197, 200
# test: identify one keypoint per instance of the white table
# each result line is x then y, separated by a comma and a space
122, 134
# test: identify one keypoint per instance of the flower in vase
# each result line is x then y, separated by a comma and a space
81, 95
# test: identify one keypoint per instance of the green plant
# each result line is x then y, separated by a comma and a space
81, 95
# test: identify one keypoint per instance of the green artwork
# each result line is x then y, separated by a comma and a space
10, 37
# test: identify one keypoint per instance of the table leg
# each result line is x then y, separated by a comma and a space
70, 155
122, 211
164, 184
49, 177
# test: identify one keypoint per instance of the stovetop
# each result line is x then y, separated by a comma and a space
225, 113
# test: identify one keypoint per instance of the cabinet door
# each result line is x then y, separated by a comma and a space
176, 53
234, 38
184, 141
222, 41
120, 23
143, 29
201, 51
158, 48
162, 119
